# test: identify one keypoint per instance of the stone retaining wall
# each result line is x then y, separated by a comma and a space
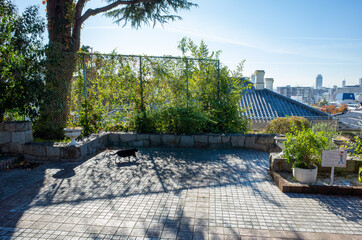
13, 135
16, 137
49, 151
35, 151
279, 164
262, 142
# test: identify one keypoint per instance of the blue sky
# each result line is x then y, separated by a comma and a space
292, 40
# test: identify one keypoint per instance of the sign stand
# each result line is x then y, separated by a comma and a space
334, 159
332, 176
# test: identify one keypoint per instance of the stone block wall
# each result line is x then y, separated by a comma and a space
262, 142
279, 164
13, 135
17, 137
49, 151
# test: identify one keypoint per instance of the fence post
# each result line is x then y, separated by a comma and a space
187, 82
85, 79
141, 84
85, 92
218, 81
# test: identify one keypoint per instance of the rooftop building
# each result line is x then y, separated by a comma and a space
265, 105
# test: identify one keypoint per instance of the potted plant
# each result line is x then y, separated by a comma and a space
355, 148
304, 150
72, 131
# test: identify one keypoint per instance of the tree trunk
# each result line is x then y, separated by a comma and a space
61, 63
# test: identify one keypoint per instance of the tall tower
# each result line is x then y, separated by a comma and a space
344, 83
319, 81
360, 82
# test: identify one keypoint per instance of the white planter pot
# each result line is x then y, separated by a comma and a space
305, 175
73, 133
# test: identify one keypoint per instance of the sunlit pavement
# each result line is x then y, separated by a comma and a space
168, 194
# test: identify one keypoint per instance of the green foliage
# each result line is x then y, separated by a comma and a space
183, 120
89, 119
304, 148
283, 125
171, 119
65, 20
329, 132
216, 89
143, 13
356, 147
159, 94
144, 122
323, 102
21, 60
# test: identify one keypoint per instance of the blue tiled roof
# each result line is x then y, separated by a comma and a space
350, 120
265, 105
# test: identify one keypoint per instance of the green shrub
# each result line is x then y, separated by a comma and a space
171, 119
283, 125
189, 120
304, 148
356, 147
329, 132
144, 122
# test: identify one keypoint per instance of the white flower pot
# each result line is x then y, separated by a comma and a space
305, 175
73, 133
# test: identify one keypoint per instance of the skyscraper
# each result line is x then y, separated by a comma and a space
318, 81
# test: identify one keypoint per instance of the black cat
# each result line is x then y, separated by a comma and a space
127, 153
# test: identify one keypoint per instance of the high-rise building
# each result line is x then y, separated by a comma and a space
360, 82
319, 81
344, 83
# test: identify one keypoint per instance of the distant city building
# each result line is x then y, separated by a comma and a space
344, 83
319, 81
264, 105
360, 82
346, 98
301, 94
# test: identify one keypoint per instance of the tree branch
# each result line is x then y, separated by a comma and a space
77, 25
91, 12
79, 8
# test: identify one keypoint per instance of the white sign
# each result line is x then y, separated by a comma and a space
337, 158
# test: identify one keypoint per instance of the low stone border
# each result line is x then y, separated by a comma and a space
17, 137
8, 161
288, 187
262, 142
49, 151
279, 164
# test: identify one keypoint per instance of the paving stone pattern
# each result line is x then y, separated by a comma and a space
168, 194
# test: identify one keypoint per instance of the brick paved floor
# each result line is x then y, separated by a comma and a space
168, 194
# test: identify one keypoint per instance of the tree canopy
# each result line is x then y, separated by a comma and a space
21, 60
65, 20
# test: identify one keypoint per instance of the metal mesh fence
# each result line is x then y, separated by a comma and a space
108, 89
